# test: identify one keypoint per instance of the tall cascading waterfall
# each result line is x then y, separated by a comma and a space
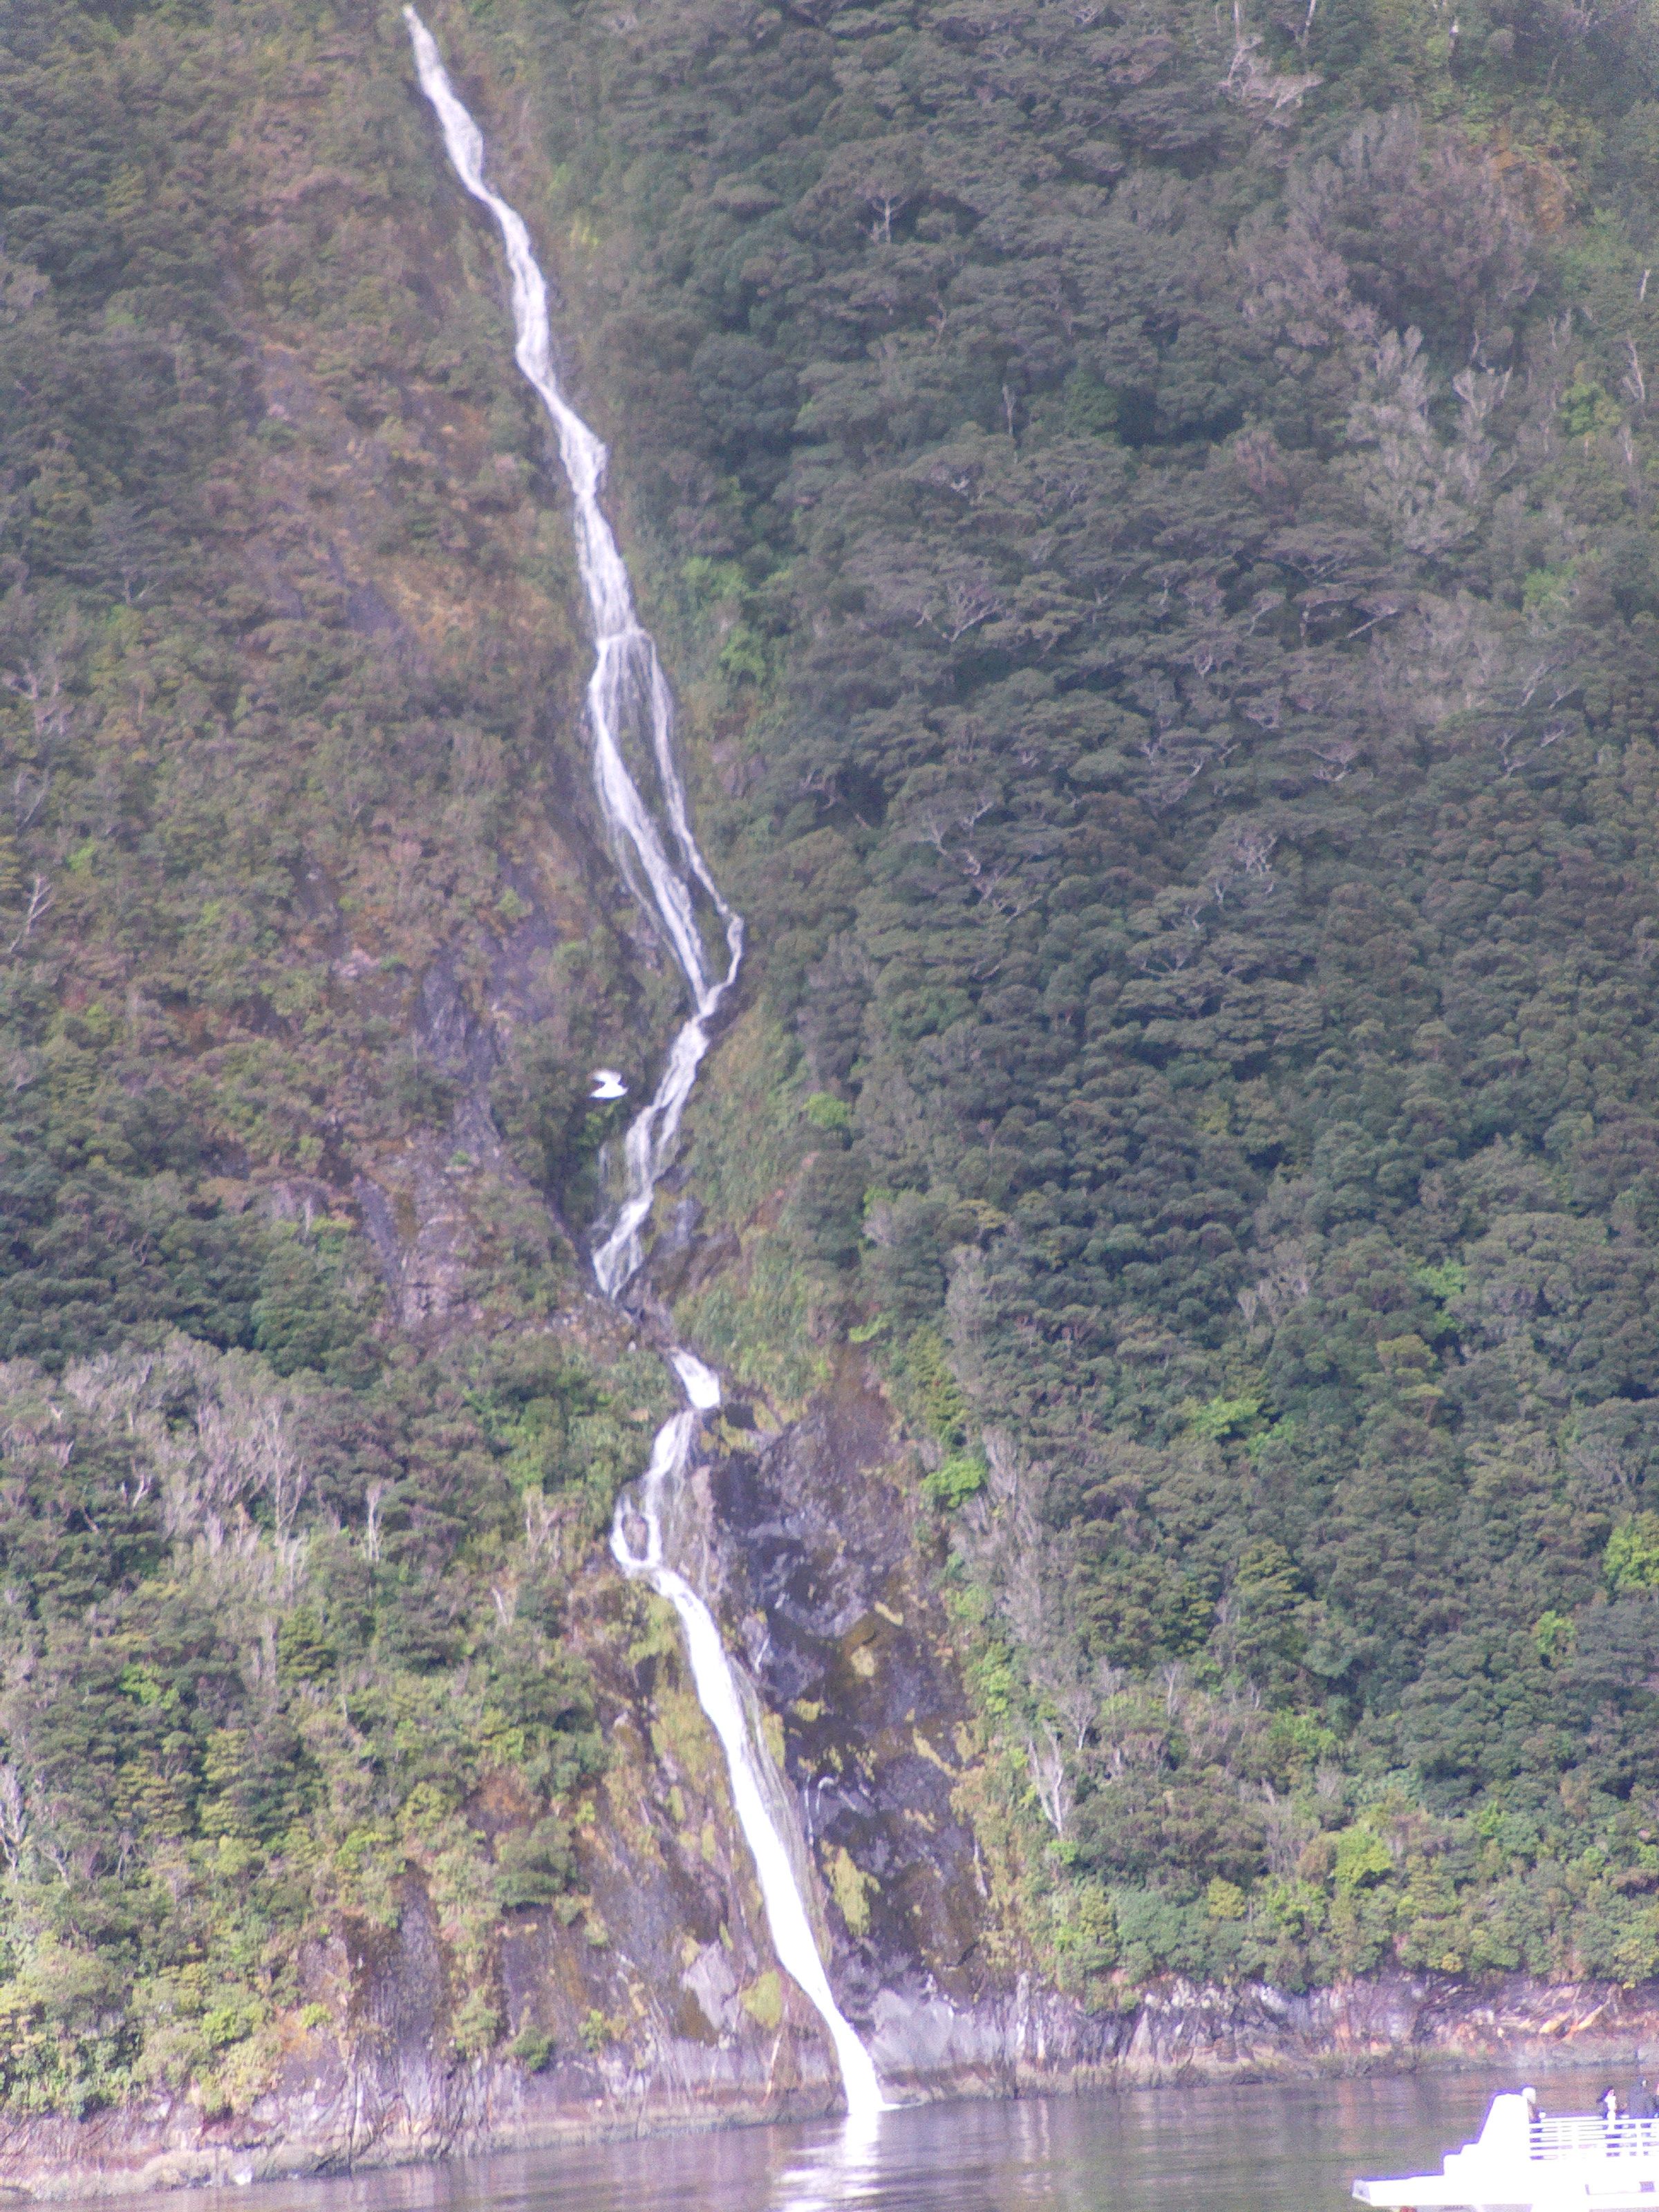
628, 681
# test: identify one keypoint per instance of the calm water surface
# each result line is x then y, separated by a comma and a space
1293, 2148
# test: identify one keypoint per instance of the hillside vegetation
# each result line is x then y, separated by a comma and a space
1159, 508
293, 1475
1150, 513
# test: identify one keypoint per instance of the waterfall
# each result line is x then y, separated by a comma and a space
628, 680
754, 1780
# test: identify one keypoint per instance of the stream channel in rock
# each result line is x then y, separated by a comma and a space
629, 694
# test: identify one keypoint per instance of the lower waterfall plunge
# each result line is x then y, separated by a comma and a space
628, 677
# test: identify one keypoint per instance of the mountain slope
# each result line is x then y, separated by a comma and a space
1159, 511
1148, 518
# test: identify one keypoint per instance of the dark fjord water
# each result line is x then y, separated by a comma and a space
1263, 2148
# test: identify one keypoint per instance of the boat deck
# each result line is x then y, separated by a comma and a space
1523, 2159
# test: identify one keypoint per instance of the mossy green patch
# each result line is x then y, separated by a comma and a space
763, 2000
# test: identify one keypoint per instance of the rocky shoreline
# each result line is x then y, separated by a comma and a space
382, 2107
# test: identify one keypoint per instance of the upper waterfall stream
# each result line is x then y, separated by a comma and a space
628, 681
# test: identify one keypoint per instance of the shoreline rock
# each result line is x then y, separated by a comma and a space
403, 2108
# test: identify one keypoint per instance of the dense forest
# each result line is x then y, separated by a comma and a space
1150, 513
1161, 507
293, 1476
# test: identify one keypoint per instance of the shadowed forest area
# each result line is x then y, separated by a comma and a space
1150, 514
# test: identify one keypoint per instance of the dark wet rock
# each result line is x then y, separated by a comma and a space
810, 1541
815, 1551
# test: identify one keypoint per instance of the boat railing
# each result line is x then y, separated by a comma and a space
1593, 2138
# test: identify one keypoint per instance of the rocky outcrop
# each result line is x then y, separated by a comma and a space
809, 1541
1033, 2040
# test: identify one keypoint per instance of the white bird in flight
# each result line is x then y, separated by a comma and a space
607, 1084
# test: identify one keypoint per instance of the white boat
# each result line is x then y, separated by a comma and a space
1523, 2159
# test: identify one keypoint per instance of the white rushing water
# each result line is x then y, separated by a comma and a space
627, 682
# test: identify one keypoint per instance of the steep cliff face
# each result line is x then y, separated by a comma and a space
839, 1616
657, 1965
355, 899
396, 1827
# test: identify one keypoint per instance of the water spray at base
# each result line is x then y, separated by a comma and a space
628, 681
